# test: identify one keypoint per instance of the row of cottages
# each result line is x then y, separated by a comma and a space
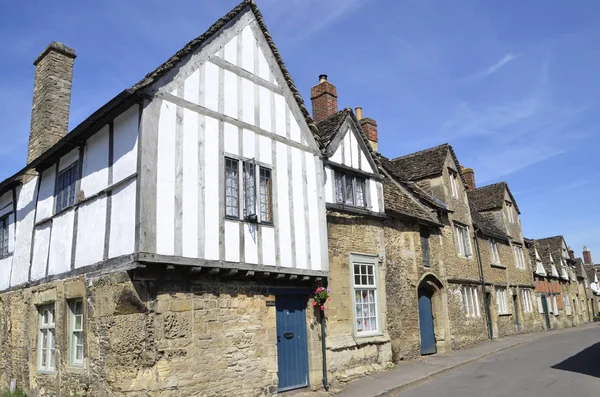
171, 243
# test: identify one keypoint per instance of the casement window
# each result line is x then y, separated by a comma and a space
471, 301
463, 240
526, 301
567, 304
364, 277
46, 343
549, 304
555, 305
261, 211
76, 332
501, 301
540, 304
454, 184
66, 184
510, 214
4, 235
350, 189
519, 258
494, 251
425, 252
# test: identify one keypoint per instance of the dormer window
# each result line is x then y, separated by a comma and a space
66, 184
454, 184
510, 212
350, 190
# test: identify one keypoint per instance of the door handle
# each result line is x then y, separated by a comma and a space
288, 335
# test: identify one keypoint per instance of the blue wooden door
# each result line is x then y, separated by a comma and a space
426, 324
292, 346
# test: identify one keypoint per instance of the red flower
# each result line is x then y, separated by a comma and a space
322, 307
314, 303
328, 299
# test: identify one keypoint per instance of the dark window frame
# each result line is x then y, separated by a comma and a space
5, 234
65, 191
350, 188
425, 233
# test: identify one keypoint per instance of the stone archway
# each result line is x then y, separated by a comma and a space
431, 289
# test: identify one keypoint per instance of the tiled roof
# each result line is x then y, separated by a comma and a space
398, 200
328, 128
591, 272
579, 267
488, 228
426, 163
490, 197
551, 245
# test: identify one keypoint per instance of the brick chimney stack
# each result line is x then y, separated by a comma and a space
324, 99
469, 175
369, 127
51, 98
587, 256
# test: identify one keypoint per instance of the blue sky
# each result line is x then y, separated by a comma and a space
512, 85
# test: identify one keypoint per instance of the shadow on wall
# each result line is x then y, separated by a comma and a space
584, 362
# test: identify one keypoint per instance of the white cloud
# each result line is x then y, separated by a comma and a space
494, 68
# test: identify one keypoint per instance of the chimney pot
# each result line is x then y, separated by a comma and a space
324, 99
469, 176
587, 255
322, 78
359, 113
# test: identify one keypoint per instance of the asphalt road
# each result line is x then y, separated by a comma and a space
565, 365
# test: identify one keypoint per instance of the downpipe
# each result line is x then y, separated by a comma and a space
324, 351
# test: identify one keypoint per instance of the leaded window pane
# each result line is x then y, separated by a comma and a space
348, 191
249, 189
339, 187
231, 188
4, 236
265, 195
66, 184
360, 193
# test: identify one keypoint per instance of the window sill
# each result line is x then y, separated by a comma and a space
352, 209
46, 372
505, 314
75, 367
497, 265
6, 256
234, 219
369, 337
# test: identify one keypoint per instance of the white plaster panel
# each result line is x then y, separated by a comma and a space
231, 51
230, 90
23, 234
280, 109
68, 159
314, 220
61, 241
347, 150
125, 144
264, 71
248, 101
299, 227
294, 127
265, 150
268, 246
191, 88
248, 47
6, 203
231, 137
190, 184
329, 181
165, 188
122, 220
211, 86
11, 233
232, 241
364, 163
337, 155
356, 151
45, 203
285, 238
211, 193
251, 243
5, 268
264, 96
41, 244
95, 163
91, 219
374, 199
249, 145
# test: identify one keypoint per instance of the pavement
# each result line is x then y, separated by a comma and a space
412, 374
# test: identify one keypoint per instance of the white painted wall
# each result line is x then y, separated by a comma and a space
90, 240
122, 221
350, 151
95, 163
23, 234
125, 144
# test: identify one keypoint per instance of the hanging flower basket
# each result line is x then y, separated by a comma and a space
321, 296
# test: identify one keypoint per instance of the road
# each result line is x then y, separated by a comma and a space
565, 365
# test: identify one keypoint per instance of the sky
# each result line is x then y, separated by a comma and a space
512, 86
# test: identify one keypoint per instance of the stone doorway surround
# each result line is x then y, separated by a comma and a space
439, 307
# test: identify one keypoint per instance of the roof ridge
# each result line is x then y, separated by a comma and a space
421, 151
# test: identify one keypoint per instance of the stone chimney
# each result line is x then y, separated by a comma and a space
51, 98
369, 127
469, 175
324, 99
587, 256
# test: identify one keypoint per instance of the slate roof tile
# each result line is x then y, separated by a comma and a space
490, 197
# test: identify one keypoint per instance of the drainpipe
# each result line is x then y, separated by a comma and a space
586, 301
485, 298
324, 351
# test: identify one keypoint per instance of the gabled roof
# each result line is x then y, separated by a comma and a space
424, 164
487, 227
490, 197
328, 128
590, 271
399, 201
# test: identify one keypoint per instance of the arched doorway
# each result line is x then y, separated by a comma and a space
432, 316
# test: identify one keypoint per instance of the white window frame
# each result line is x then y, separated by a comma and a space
367, 261
501, 301
527, 302
463, 240
470, 297
494, 252
73, 331
46, 328
519, 257
549, 304
509, 212
567, 304
540, 304
555, 304
453, 184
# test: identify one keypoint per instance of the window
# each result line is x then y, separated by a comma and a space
567, 303
66, 184
463, 240
526, 300
350, 190
232, 190
4, 232
76, 332
454, 184
501, 301
540, 304
555, 302
519, 258
46, 347
425, 253
510, 212
365, 295
549, 304
494, 251
471, 301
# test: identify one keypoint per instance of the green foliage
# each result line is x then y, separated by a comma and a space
17, 393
